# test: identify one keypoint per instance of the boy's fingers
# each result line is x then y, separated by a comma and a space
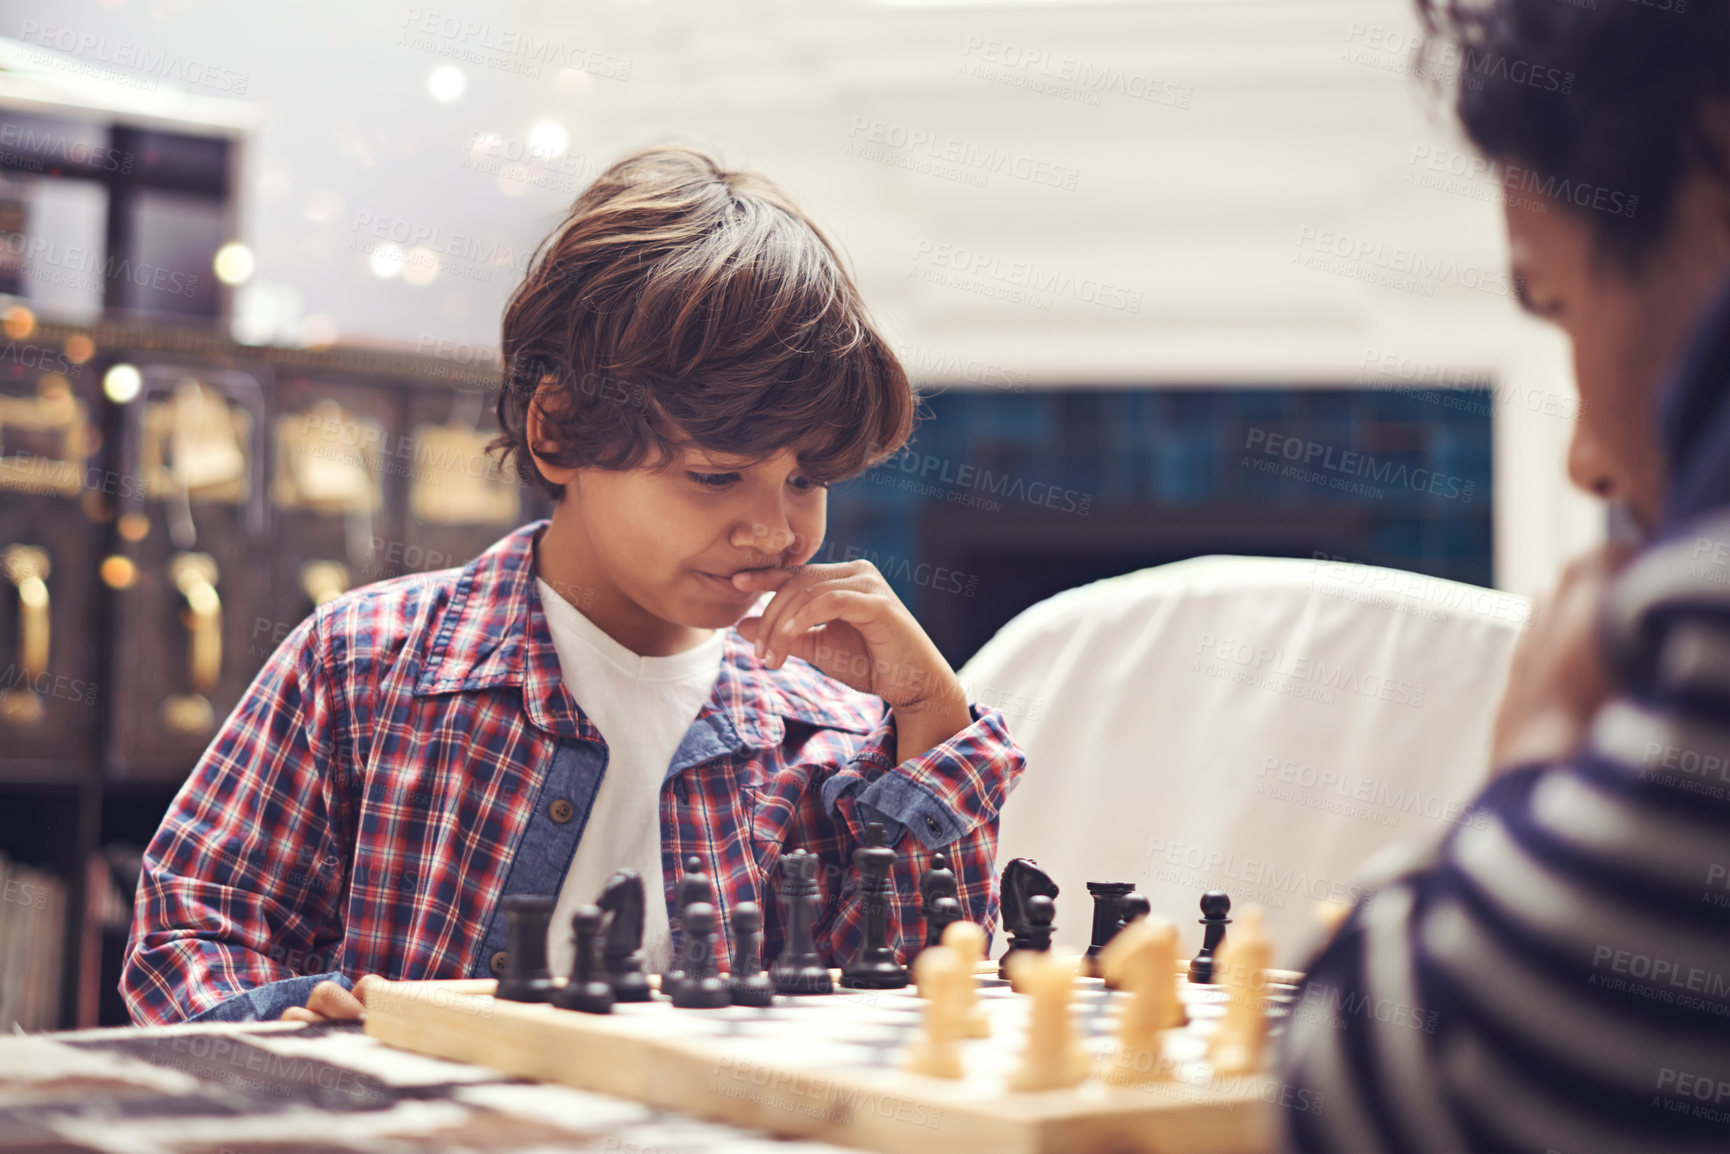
773, 636
764, 579
365, 983
300, 1014
823, 607
786, 595
332, 1001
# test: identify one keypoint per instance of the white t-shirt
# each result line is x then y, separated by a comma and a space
642, 706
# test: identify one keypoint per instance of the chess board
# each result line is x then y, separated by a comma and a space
829, 1068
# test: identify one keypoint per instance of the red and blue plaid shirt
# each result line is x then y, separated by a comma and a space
410, 755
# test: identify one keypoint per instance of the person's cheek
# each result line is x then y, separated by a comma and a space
811, 526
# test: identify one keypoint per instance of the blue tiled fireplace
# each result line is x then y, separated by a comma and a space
1003, 498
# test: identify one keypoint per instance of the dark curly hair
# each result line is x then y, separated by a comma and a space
677, 300
1626, 127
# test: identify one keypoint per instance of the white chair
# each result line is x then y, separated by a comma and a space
1256, 725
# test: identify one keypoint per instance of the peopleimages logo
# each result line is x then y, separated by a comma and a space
943, 263
870, 138
1375, 256
38, 147
1066, 77
965, 476
1351, 463
1275, 666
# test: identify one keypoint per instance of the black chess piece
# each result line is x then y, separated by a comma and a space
1130, 907
1215, 905
1107, 918
622, 955
526, 977
1035, 937
749, 985
1022, 881
874, 967
585, 990
799, 970
703, 988
1041, 916
945, 912
936, 882
692, 887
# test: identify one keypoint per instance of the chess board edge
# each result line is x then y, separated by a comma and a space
883, 1109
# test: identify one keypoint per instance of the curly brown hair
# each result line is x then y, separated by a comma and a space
1606, 107
682, 302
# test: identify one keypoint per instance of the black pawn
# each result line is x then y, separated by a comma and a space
1035, 936
1132, 907
937, 882
1107, 918
703, 988
874, 967
1215, 905
799, 970
526, 977
622, 956
750, 986
945, 912
584, 990
692, 887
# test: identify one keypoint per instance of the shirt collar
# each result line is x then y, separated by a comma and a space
1695, 418
493, 632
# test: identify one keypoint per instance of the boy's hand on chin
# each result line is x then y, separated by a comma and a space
845, 620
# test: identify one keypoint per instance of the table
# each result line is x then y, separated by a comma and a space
288, 1087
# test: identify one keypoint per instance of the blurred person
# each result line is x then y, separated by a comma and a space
1557, 977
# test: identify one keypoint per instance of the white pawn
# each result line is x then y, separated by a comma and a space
1054, 1058
1239, 1041
968, 940
945, 979
1141, 960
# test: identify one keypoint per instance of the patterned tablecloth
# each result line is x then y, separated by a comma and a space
288, 1088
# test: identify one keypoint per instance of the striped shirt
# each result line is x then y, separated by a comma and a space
1556, 977
410, 756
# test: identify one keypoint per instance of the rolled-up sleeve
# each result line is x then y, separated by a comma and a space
239, 887
940, 795
949, 798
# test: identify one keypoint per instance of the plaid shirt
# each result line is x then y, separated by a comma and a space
410, 755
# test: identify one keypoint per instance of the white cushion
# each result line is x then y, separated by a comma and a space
1257, 725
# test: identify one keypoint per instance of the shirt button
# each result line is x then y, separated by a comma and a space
500, 961
561, 810
931, 824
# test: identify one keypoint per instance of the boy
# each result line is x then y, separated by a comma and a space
1558, 978
687, 366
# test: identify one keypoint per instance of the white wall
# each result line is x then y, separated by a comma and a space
1227, 142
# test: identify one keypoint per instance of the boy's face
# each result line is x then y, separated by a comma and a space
649, 554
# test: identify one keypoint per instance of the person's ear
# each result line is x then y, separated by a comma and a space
535, 432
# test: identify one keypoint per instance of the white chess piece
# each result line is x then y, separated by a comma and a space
945, 980
968, 939
1142, 961
1239, 1041
1054, 1058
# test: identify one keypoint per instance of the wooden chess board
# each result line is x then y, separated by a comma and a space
829, 1068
